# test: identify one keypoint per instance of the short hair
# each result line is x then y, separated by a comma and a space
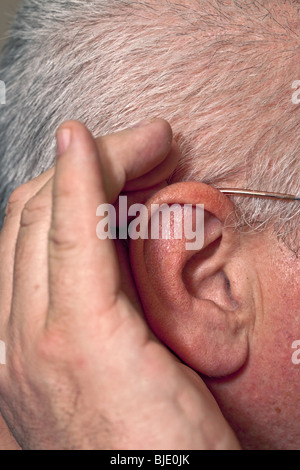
221, 72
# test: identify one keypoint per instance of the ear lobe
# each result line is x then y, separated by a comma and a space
186, 294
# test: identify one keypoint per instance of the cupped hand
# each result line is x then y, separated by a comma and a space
83, 370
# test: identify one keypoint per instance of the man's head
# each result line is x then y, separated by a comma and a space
221, 73
230, 310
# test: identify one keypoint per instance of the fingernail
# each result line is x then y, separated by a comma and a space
143, 123
63, 138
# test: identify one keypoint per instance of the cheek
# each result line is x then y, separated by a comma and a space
279, 325
266, 391
282, 300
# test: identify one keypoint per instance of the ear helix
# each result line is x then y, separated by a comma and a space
196, 330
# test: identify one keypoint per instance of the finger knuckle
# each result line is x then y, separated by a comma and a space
54, 348
50, 346
62, 241
34, 211
17, 200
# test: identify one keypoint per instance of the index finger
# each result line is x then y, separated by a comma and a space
84, 273
137, 158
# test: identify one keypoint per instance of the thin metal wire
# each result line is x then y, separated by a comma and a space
259, 194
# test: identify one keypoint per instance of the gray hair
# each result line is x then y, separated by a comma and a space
220, 72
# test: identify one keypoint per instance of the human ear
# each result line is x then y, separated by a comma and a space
186, 294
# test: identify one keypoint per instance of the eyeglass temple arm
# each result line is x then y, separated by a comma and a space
259, 194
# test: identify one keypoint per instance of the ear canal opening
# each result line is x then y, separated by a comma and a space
205, 282
198, 260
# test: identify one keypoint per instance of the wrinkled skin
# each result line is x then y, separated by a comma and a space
83, 369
